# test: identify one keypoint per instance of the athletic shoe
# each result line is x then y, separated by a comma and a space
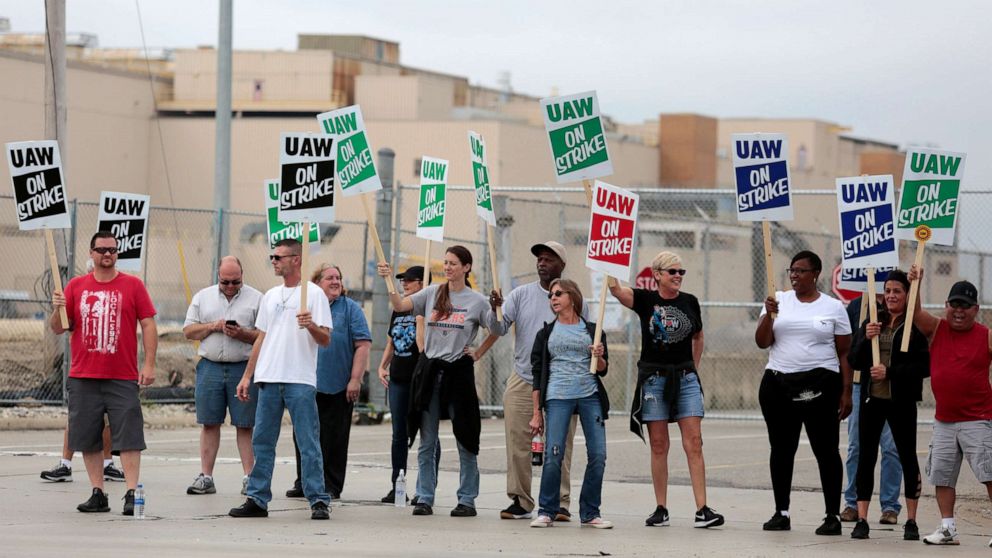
910, 531
849, 515
58, 473
112, 473
778, 522
423, 509
542, 521
248, 509
598, 523
202, 485
96, 503
244, 485
320, 511
563, 515
830, 526
128, 503
707, 517
461, 510
860, 530
296, 491
658, 518
514, 511
390, 497
889, 518
942, 535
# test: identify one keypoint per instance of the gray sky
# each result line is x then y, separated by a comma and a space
908, 72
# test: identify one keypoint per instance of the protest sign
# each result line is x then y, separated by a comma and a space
856, 279
761, 171
611, 230
480, 177
39, 190
577, 137
433, 183
867, 225
355, 167
277, 230
306, 190
930, 186
125, 215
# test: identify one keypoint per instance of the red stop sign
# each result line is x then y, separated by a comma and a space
645, 280
844, 295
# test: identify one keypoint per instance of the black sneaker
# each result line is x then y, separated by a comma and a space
58, 473
861, 530
128, 503
707, 517
320, 511
830, 526
563, 515
112, 473
910, 531
389, 498
514, 511
423, 509
96, 503
249, 509
778, 522
296, 491
415, 500
461, 510
659, 518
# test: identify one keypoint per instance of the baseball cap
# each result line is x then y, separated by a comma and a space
963, 291
413, 273
552, 246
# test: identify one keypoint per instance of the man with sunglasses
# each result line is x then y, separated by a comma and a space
960, 355
222, 318
105, 308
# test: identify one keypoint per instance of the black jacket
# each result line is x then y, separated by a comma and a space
540, 361
907, 370
457, 391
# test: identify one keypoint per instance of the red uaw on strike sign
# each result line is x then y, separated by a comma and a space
611, 230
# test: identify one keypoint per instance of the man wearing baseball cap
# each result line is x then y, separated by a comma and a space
527, 306
960, 355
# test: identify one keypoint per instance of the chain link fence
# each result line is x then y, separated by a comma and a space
724, 258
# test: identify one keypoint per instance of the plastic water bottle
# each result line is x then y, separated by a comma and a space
537, 451
399, 491
139, 502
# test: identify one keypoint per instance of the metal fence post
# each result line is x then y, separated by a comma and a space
380, 300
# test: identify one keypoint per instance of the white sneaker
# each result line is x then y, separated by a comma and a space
942, 535
542, 521
598, 523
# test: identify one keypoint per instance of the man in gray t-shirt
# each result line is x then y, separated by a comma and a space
528, 309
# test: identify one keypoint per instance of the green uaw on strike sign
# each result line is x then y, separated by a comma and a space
480, 177
355, 169
930, 187
576, 135
277, 230
433, 183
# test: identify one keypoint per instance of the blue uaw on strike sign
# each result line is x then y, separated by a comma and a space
761, 171
866, 205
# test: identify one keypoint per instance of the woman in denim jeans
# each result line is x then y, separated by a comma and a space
563, 386
668, 387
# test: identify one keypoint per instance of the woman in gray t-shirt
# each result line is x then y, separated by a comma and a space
445, 377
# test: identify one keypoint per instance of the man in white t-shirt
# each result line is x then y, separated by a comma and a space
283, 363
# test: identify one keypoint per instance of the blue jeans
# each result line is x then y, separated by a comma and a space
300, 400
558, 416
427, 458
217, 392
891, 468
399, 404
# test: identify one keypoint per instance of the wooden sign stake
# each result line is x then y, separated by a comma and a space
873, 315
922, 234
56, 276
766, 233
375, 240
599, 321
492, 264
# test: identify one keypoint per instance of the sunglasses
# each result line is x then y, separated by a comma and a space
959, 305
555, 293
226, 282
674, 271
105, 250
277, 257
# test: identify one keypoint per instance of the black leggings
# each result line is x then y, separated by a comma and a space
902, 421
788, 402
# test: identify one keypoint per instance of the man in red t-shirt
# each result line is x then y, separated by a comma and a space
960, 355
104, 309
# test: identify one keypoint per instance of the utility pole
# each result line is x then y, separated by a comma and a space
222, 117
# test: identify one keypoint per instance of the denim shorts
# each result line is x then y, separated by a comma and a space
653, 403
217, 392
